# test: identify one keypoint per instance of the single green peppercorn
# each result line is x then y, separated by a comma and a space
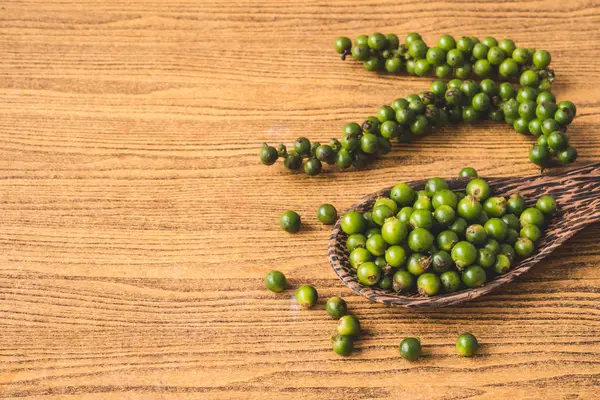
464, 254
441, 261
569, 105
532, 216
512, 221
336, 307
380, 213
496, 228
451, 281
539, 155
403, 281
521, 55
508, 68
394, 231
502, 264
524, 247
515, 204
506, 91
485, 258
376, 244
459, 226
446, 240
541, 59
402, 194
368, 273
268, 154
343, 159
446, 42
348, 325
306, 296
418, 263
474, 276
531, 232
557, 141
419, 240
567, 155
496, 55
529, 78
410, 349
469, 208
359, 256
342, 44
353, 222
327, 214
395, 256
355, 241
476, 234
535, 127
388, 202
547, 205
495, 206
466, 345
479, 189
468, 172
428, 284
312, 167
290, 221
508, 251
275, 281
342, 345
392, 41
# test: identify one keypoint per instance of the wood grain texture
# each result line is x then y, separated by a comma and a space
137, 225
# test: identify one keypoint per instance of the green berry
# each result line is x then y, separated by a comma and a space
342, 345
275, 281
290, 221
327, 214
348, 325
474, 276
468, 172
336, 307
359, 256
547, 205
541, 59
532, 216
502, 264
466, 345
355, 241
524, 247
464, 254
428, 284
410, 349
368, 273
403, 281
306, 296
377, 41
342, 44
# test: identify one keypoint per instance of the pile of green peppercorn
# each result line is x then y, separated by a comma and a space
528, 110
436, 240
348, 326
450, 57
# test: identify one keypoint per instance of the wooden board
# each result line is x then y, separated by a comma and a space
137, 224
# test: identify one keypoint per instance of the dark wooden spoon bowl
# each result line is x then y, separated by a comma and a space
577, 193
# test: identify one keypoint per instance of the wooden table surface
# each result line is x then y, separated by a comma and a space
137, 224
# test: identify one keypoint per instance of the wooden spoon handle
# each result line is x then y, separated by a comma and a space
577, 193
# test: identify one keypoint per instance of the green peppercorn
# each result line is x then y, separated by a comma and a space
428, 284
508, 251
342, 345
496, 55
405, 213
531, 232
376, 244
450, 281
307, 296
372, 64
342, 44
275, 281
467, 172
464, 254
420, 240
418, 263
410, 349
511, 236
446, 42
532, 216
524, 247
395, 256
521, 55
482, 68
353, 222
359, 256
541, 59
567, 155
402, 194
502, 264
368, 273
348, 325
492, 245
508, 68
469, 208
380, 213
529, 78
557, 141
495, 206
394, 231
459, 226
327, 214
535, 127
479, 189
474, 276
343, 159
515, 204
476, 234
511, 221
302, 146
360, 52
312, 167
466, 345
569, 105
443, 71
355, 241
446, 240
290, 221
547, 205
336, 307
539, 155
403, 281
392, 41
506, 91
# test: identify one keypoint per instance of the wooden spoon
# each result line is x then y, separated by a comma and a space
577, 193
